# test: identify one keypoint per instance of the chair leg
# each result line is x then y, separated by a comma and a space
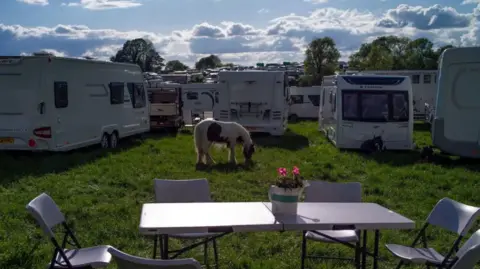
357, 255
205, 254
215, 253
304, 250
400, 264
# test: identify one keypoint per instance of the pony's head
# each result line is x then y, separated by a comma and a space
248, 150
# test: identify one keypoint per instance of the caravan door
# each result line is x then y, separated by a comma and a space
198, 99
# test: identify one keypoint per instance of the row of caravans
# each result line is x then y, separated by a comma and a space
377, 111
45, 106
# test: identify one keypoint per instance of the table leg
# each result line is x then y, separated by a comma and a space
155, 240
375, 249
364, 250
164, 242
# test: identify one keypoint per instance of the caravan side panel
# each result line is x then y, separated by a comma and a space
456, 127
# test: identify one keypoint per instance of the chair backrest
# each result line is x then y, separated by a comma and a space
333, 192
127, 261
469, 254
453, 216
46, 212
182, 191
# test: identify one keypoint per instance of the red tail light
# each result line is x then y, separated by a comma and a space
43, 132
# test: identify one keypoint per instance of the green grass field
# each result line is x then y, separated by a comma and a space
102, 193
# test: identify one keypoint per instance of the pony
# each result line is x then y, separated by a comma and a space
210, 131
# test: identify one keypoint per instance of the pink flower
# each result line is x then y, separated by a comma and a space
296, 171
282, 171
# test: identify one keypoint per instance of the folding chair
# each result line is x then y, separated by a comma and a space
447, 214
469, 254
186, 191
126, 261
322, 191
48, 215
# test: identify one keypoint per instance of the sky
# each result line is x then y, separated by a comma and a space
239, 31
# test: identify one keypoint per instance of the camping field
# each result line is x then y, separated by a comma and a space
102, 192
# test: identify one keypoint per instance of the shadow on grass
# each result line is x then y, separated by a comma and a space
15, 165
289, 141
405, 158
421, 127
226, 167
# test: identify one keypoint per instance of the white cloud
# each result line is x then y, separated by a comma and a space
317, 1
283, 39
466, 2
34, 2
102, 4
263, 11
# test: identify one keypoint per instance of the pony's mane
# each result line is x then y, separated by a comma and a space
244, 133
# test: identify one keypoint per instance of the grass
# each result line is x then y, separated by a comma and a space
102, 193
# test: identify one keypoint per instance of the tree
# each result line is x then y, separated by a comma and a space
175, 65
211, 61
139, 51
379, 58
321, 58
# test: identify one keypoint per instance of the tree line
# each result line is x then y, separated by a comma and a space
321, 57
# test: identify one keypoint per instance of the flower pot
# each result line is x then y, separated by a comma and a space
284, 201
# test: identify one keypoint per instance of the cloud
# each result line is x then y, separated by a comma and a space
282, 39
317, 1
263, 11
34, 2
101, 4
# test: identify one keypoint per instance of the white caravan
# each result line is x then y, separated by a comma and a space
456, 124
199, 98
424, 87
258, 100
360, 110
304, 102
50, 103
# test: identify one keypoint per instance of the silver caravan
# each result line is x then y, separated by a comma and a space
456, 124
257, 99
50, 103
358, 111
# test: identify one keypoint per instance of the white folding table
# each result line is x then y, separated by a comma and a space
225, 217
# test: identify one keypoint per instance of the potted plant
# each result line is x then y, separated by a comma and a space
284, 195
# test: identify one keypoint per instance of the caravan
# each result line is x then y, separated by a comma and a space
358, 111
257, 99
456, 122
50, 103
304, 102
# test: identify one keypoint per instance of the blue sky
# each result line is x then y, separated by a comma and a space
244, 31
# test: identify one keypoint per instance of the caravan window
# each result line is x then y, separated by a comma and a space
192, 95
427, 79
60, 90
375, 106
116, 93
416, 79
296, 99
314, 99
139, 98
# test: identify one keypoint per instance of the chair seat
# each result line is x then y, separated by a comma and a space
416, 255
341, 235
95, 257
192, 235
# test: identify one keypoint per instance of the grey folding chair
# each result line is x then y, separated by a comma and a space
186, 191
48, 216
330, 192
448, 214
127, 261
469, 254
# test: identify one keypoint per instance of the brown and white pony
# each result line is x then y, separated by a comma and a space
210, 131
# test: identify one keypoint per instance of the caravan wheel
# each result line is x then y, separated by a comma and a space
104, 143
113, 140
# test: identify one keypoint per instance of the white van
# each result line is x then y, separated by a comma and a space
456, 121
51, 103
304, 103
358, 112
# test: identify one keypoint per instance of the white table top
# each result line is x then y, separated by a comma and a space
174, 218
365, 216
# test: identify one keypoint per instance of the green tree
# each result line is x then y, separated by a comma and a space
421, 55
176, 65
379, 58
321, 58
211, 61
142, 52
